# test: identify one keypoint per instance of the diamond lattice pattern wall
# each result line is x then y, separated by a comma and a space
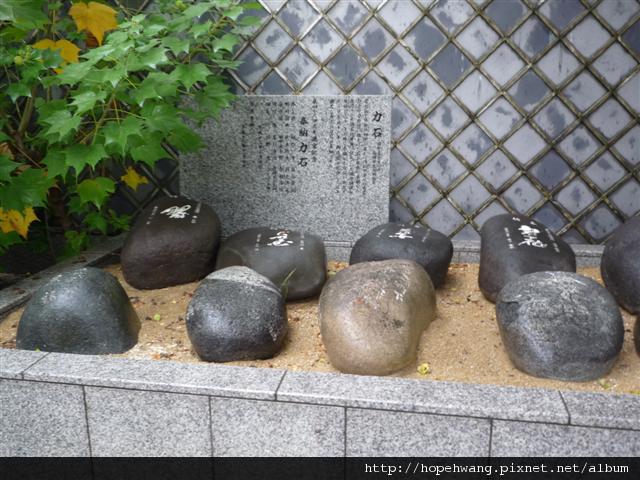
507, 105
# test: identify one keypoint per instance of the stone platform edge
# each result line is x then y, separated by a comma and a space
85, 405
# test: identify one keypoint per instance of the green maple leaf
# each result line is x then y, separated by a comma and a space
96, 190
29, 189
227, 42
7, 166
152, 58
187, 75
17, 90
96, 221
61, 123
78, 156
107, 75
75, 72
85, 101
55, 163
197, 10
116, 135
157, 85
176, 45
185, 139
161, 117
148, 150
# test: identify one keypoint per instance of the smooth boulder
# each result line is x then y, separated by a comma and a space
236, 314
429, 248
82, 311
372, 315
174, 241
296, 262
560, 325
620, 265
515, 245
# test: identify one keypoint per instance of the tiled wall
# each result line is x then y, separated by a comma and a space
505, 105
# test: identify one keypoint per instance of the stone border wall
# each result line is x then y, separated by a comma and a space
84, 405
54, 404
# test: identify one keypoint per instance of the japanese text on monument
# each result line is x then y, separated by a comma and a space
282, 143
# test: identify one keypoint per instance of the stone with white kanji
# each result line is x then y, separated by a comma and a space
514, 245
425, 246
295, 261
174, 241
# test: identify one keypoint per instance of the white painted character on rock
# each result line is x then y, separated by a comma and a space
402, 234
281, 239
530, 236
176, 212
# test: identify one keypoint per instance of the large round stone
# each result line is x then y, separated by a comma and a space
236, 314
429, 248
514, 245
560, 325
372, 315
620, 266
83, 311
174, 241
296, 262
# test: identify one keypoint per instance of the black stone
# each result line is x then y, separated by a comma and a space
620, 265
560, 325
236, 314
296, 262
429, 248
514, 245
174, 241
83, 311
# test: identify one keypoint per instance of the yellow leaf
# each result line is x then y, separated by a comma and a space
94, 17
14, 221
68, 51
133, 179
424, 369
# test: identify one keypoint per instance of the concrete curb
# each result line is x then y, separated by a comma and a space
62, 404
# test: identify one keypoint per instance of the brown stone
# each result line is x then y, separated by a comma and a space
372, 315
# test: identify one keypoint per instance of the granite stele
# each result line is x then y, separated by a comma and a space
314, 163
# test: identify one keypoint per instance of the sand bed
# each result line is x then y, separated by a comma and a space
462, 344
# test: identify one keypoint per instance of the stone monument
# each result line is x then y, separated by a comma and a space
315, 164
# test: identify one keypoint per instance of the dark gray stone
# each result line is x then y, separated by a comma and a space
429, 248
236, 314
560, 325
372, 315
83, 311
514, 245
174, 241
620, 266
295, 262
